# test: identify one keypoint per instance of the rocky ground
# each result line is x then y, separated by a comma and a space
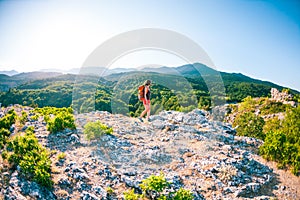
192, 151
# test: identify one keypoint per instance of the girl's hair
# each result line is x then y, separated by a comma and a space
147, 82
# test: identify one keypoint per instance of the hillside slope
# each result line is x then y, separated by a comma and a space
192, 152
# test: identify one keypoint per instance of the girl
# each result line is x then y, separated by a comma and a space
146, 100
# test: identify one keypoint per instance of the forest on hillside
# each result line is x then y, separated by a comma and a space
117, 93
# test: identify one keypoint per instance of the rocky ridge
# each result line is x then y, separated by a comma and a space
192, 151
283, 97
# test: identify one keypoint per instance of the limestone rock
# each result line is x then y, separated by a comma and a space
192, 150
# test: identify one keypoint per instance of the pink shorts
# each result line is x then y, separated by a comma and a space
146, 101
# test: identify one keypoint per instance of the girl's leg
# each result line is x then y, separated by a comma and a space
148, 111
144, 112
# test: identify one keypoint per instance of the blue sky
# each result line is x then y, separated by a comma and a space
258, 38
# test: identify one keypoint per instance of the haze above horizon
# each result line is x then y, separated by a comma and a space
260, 39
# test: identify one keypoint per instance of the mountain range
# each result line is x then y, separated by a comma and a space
10, 79
180, 88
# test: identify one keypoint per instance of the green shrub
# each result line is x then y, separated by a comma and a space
283, 145
4, 135
61, 122
154, 183
46, 112
286, 90
61, 155
183, 194
130, 195
52, 110
270, 107
273, 147
250, 125
109, 190
277, 148
291, 125
96, 129
4, 155
296, 98
57, 119
35, 117
273, 124
23, 118
154, 187
8, 120
248, 105
5, 123
162, 197
31, 157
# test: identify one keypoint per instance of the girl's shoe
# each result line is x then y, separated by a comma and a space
141, 120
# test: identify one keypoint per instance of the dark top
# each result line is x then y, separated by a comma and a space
148, 93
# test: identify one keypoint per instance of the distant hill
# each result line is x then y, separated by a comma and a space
7, 82
162, 70
9, 73
36, 75
90, 70
198, 69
